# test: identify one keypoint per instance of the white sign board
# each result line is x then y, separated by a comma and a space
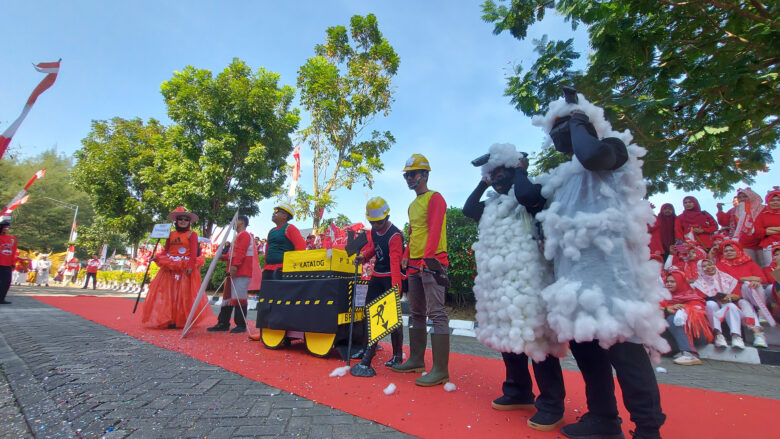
161, 231
360, 295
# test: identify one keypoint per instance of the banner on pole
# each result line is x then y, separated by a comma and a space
384, 315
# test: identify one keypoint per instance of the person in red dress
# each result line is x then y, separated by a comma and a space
8, 254
693, 220
768, 225
175, 287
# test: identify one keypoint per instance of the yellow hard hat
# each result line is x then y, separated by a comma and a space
377, 209
417, 161
287, 207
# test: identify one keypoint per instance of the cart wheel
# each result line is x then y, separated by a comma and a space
319, 344
272, 338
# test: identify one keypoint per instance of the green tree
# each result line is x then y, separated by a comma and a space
461, 235
42, 224
697, 82
344, 87
226, 150
233, 134
121, 166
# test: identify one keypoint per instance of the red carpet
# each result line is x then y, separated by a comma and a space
425, 412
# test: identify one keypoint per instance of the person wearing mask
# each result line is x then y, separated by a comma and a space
511, 315
605, 297
93, 264
742, 223
8, 254
386, 244
427, 239
174, 289
242, 259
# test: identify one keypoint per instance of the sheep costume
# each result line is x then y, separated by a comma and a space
511, 273
606, 287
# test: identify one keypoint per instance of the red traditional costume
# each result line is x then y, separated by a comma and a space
172, 292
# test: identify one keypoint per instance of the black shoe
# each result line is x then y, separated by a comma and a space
508, 403
359, 354
361, 370
395, 359
594, 427
238, 330
171, 325
5, 302
218, 327
545, 421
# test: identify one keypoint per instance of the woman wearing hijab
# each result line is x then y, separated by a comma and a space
742, 223
768, 225
749, 290
662, 232
696, 222
718, 288
775, 285
686, 316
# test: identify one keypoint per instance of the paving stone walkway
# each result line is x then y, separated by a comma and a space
70, 377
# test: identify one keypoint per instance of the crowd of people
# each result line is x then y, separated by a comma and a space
720, 269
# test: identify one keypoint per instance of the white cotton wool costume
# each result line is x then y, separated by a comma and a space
511, 273
595, 227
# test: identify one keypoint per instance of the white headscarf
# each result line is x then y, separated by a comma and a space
719, 282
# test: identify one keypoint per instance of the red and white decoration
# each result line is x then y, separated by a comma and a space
51, 69
22, 196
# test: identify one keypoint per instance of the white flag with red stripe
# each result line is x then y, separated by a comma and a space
295, 173
23, 192
51, 69
8, 210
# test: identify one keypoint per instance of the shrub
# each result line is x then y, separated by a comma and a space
461, 235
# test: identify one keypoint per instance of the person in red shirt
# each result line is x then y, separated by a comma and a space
242, 259
686, 317
386, 243
662, 232
8, 254
768, 225
749, 289
427, 239
741, 222
72, 271
693, 219
93, 265
174, 289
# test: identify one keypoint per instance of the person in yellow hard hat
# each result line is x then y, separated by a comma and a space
427, 239
386, 243
282, 238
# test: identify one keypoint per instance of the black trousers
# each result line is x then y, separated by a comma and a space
5, 280
635, 375
93, 276
549, 379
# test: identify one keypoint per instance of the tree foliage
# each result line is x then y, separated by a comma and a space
226, 150
42, 224
696, 82
344, 86
462, 233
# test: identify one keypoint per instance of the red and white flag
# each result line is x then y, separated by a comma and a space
296, 172
51, 69
8, 210
23, 192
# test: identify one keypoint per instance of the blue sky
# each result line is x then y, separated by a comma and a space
449, 103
